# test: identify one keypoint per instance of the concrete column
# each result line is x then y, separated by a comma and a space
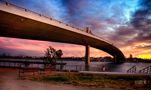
87, 57
115, 59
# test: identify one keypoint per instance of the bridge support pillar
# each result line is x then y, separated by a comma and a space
87, 57
115, 58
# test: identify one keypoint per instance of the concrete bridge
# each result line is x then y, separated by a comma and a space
18, 22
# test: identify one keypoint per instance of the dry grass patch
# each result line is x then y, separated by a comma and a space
108, 81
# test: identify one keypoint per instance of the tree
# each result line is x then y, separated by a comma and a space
59, 53
51, 54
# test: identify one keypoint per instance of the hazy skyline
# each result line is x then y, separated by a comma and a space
125, 23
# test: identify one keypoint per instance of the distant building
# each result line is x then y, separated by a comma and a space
131, 56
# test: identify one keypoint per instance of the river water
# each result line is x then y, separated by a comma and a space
104, 66
94, 66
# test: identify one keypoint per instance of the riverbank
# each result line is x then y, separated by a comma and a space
94, 80
9, 80
72, 81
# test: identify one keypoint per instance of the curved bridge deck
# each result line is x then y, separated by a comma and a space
18, 22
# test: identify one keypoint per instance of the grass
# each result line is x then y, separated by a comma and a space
109, 81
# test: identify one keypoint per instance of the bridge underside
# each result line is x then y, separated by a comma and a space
17, 26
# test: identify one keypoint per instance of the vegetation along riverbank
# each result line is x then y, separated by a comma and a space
94, 80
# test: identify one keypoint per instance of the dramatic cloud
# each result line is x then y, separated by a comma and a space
141, 20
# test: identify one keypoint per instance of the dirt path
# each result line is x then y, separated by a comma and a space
10, 81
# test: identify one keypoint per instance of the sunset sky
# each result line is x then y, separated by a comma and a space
125, 23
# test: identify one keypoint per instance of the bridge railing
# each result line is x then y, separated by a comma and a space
146, 70
41, 15
132, 69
